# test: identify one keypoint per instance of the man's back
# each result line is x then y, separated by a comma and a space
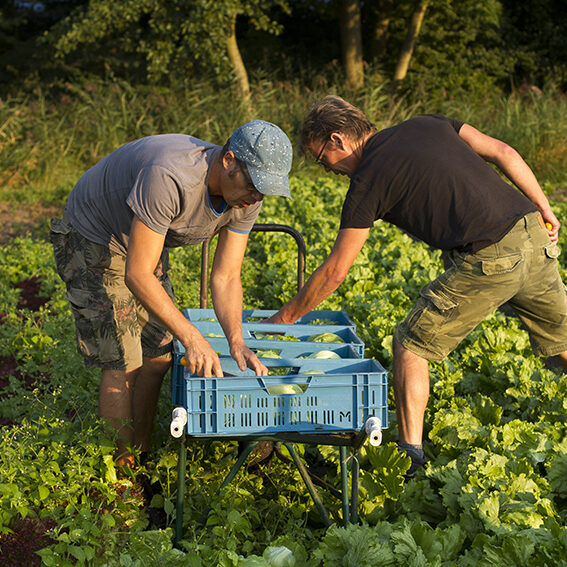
421, 176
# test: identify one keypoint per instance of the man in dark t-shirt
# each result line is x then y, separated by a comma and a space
429, 176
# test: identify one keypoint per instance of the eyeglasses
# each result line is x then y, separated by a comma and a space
318, 158
246, 177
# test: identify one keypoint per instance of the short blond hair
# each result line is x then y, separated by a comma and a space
333, 114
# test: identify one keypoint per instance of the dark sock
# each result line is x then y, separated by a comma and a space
417, 456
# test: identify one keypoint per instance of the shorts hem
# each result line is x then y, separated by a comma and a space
550, 351
408, 344
112, 365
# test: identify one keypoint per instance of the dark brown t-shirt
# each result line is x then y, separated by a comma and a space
422, 177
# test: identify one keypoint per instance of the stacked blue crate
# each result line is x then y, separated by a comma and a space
296, 333
307, 395
315, 317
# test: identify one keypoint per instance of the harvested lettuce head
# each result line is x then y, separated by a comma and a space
325, 338
324, 354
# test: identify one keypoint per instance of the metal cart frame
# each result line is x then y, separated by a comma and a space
344, 441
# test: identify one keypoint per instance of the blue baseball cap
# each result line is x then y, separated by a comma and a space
267, 153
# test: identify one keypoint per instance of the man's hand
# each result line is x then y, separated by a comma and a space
244, 357
552, 225
276, 318
201, 359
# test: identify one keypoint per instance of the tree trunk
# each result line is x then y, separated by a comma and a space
409, 43
380, 32
351, 41
235, 59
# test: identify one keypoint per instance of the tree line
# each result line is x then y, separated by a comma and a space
442, 45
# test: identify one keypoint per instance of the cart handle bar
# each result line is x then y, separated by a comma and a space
258, 227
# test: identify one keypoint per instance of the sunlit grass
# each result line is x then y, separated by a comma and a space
48, 141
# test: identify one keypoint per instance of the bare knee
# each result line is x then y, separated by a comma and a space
118, 381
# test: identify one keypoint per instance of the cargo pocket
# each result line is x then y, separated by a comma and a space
96, 338
502, 265
441, 301
431, 312
59, 236
60, 226
82, 302
552, 251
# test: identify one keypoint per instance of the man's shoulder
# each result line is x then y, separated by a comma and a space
167, 142
433, 121
181, 155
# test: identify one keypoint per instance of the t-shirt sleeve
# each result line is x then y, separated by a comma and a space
244, 219
155, 198
456, 124
359, 207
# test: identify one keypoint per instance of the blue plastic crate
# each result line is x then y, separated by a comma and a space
261, 331
249, 316
284, 349
325, 396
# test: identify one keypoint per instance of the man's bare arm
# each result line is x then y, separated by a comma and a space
511, 163
144, 250
226, 291
326, 278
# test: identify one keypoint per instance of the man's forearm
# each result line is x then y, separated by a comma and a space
520, 173
227, 302
318, 287
154, 298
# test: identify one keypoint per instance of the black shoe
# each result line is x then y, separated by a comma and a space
157, 516
149, 489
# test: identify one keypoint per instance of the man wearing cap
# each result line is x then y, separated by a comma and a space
111, 250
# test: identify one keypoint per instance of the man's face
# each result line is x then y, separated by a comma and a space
334, 154
241, 192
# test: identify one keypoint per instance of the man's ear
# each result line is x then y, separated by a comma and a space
337, 139
229, 159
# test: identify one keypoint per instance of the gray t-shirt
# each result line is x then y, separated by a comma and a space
163, 181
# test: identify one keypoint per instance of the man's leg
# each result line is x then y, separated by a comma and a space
115, 406
128, 400
145, 399
561, 359
411, 391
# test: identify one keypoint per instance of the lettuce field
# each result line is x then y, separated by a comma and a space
494, 492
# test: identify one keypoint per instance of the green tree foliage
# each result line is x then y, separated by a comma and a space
463, 45
460, 47
20, 27
537, 30
168, 37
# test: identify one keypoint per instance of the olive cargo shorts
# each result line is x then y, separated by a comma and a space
520, 269
114, 331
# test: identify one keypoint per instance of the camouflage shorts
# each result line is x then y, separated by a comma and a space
114, 331
520, 270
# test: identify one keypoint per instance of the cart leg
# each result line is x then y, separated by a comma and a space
230, 476
309, 484
181, 469
344, 481
355, 473
248, 448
